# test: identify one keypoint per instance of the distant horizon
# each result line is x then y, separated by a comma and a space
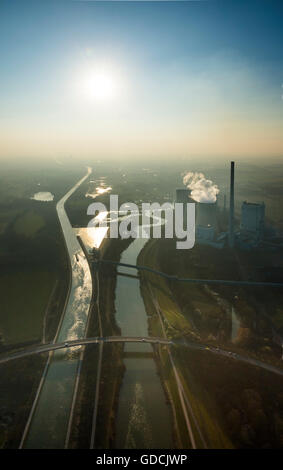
141, 162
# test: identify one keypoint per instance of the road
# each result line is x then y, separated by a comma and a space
230, 354
44, 429
136, 339
82, 342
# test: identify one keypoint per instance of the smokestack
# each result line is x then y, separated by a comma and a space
231, 213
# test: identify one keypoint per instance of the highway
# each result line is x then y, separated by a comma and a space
230, 354
44, 348
44, 429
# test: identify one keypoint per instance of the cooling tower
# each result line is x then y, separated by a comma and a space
183, 195
206, 214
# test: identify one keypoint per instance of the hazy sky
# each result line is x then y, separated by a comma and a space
134, 79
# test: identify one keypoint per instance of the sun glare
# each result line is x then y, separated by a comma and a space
101, 85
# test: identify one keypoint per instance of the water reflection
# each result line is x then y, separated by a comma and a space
45, 196
139, 432
92, 237
99, 190
74, 325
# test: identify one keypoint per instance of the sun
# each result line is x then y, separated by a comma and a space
101, 84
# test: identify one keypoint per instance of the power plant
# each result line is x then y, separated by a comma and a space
249, 233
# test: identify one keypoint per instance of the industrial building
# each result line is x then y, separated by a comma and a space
252, 220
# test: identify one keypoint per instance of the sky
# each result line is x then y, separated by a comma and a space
128, 79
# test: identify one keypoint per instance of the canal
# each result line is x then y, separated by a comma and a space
144, 418
49, 417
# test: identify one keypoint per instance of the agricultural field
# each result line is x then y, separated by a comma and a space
32, 254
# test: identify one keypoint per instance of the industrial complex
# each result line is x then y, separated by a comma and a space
247, 233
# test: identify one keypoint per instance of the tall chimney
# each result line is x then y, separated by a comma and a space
231, 213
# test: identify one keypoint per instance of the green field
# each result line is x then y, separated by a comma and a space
24, 297
29, 224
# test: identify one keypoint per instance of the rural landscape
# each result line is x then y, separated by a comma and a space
235, 402
141, 226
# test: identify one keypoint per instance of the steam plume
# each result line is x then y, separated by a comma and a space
202, 189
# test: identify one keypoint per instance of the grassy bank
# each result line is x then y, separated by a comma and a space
236, 405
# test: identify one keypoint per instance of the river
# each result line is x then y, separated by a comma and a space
144, 418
